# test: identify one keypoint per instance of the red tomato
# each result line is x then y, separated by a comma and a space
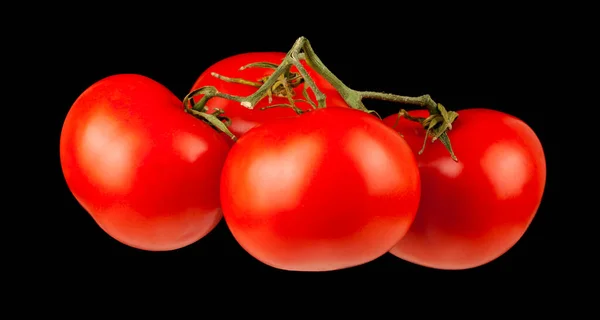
243, 119
146, 171
330, 189
474, 210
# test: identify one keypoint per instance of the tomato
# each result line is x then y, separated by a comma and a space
243, 119
147, 172
330, 189
474, 210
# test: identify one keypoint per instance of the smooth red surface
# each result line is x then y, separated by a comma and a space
473, 211
243, 119
147, 172
327, 190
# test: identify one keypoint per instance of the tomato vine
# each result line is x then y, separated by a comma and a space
436, 124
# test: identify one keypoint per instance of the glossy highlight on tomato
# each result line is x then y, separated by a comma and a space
146, 171
474, 210
243, 119
330, 189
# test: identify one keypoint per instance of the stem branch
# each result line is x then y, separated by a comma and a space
421, 101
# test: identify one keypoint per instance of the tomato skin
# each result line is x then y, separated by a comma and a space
330, 189
473, 211
244, 119
146, 171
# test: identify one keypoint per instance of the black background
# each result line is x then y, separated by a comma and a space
472, 66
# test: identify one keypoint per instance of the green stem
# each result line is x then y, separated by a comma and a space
437, 124
352, 97
421, 101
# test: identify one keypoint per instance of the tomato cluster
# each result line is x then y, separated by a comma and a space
319, 190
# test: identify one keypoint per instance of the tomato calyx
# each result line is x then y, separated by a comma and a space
293, 79
216, 119
436, 125
282, 87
